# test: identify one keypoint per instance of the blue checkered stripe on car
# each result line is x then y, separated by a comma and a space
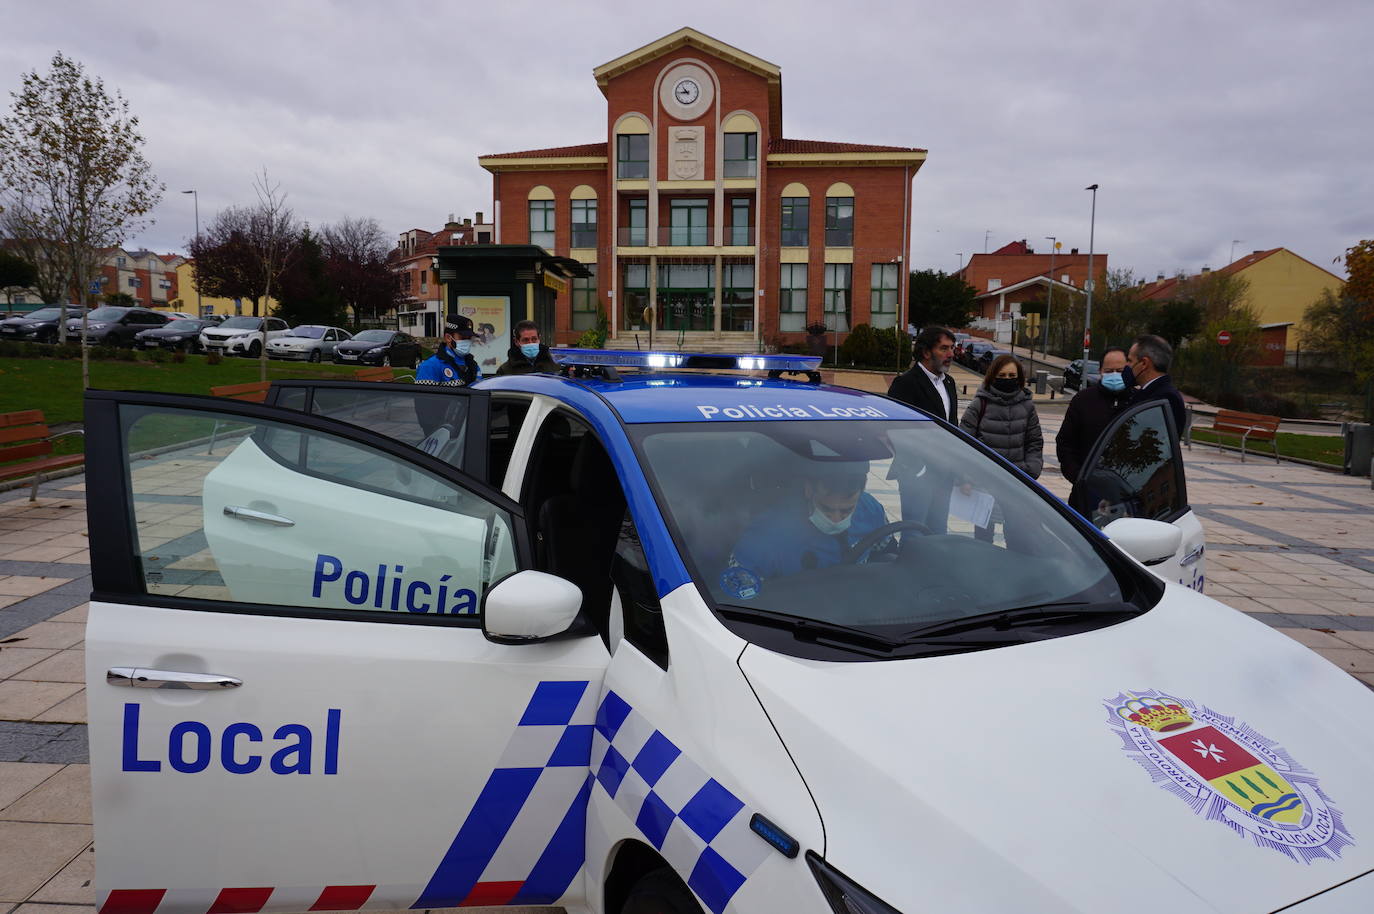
697, 824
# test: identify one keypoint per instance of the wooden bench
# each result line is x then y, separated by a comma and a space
1248, 427
26, 447
255, 392
381, 373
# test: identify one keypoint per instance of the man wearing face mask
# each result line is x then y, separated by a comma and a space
528, 355
1147, 366
1089, 412
453, 365
814, 531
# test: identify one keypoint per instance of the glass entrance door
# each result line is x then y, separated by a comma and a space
687, 296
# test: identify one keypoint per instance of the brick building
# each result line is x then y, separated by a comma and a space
698, 218
1015, 273
150, 278
414, 261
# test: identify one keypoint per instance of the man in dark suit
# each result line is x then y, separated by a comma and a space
1148, 361
928, 386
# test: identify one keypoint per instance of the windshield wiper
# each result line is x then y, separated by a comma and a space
1006, 619
813, 630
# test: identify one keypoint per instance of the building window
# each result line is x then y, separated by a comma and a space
688, 220
634, 295
792, 297
883, 303
632, 155
424, 280
838, 282
737, 296
796, 218
839, 222
741, 155
541, 223
636, 234
119, 261
741, 231
584, 223
584, 301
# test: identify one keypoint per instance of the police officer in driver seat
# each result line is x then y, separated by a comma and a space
452, 365
813, 531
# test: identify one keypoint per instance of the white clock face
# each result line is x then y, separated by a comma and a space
686, 91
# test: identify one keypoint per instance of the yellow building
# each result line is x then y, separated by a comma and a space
186, 294
1282, 286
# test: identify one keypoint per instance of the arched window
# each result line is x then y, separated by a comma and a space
583, 217
632, 147
839, 216
542, 217
796, 216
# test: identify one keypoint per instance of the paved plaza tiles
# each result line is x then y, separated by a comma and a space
1287, 544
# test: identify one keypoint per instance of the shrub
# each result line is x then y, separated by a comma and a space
213, 358
67, 351
860, 347
104, 353
178, 356
159, 356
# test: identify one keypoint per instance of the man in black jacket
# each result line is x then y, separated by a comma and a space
528, 355
927, 384
1148, 361
1089, 412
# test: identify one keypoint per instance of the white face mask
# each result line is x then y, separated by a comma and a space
830, 527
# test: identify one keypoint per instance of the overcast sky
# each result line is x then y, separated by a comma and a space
1203, 122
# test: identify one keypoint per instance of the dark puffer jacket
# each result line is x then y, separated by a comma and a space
1009, 425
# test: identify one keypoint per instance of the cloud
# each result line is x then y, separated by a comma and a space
1202, 123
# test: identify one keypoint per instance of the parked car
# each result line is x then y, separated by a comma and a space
181, 333
973, 351
115, 325
37, 326
1076, 376
242, 335
179, 315
308, 342
379, 347
987, 357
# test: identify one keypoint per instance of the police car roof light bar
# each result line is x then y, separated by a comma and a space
614, 358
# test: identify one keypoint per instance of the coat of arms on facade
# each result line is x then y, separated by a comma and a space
686, 155
1229, 773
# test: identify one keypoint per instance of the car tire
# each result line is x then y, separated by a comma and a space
255, 349
386, 361
660, 892
315, 355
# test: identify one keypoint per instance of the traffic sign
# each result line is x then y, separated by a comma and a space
1087, 339
95, 287
1224, 338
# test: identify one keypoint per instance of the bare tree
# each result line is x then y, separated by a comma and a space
45, 253
356, 261
74, 152
272, 233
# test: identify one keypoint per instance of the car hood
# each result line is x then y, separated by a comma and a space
222, 334
363, 346
1005, 779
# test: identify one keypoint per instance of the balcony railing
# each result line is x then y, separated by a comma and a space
697, 236
839, 237
741, 168
584, 237
739, 236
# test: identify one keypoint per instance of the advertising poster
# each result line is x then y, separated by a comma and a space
490, 316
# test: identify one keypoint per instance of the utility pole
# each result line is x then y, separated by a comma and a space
1088, 318
1049, 303
195, 198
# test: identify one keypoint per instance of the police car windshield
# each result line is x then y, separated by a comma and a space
883, 527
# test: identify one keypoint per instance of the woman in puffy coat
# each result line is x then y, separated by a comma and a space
1002, 416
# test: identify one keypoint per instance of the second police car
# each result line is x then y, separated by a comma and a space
666, 641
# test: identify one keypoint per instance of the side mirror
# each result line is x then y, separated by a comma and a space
1147, 541
529, 606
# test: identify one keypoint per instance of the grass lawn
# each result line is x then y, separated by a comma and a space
1320, 448
54, 385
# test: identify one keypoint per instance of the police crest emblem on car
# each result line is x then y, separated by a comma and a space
1228, 772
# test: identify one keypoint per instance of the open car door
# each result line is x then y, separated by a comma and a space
1135, 469
292, 703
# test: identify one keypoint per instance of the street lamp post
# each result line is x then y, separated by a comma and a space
195, 198
1049, 302
1088, 318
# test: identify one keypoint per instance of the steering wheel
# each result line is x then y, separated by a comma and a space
859, 551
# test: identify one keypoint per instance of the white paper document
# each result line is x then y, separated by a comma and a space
975, 507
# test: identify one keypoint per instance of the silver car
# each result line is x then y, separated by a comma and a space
308, 342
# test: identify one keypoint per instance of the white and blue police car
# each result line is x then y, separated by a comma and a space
640, 638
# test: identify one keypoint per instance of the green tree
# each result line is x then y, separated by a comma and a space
1359, 263
71, 153
16, 275
122, 299
1339, 325
938, 299
1120, 312
306, 294
1176, 321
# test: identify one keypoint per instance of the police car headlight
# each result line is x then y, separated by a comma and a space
844, 895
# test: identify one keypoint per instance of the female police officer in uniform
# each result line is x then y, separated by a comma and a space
453, 365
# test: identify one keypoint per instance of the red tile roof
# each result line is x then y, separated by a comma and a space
785, 146
557, 152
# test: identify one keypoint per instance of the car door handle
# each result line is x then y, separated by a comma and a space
262, 517
139, 678
1193, 556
